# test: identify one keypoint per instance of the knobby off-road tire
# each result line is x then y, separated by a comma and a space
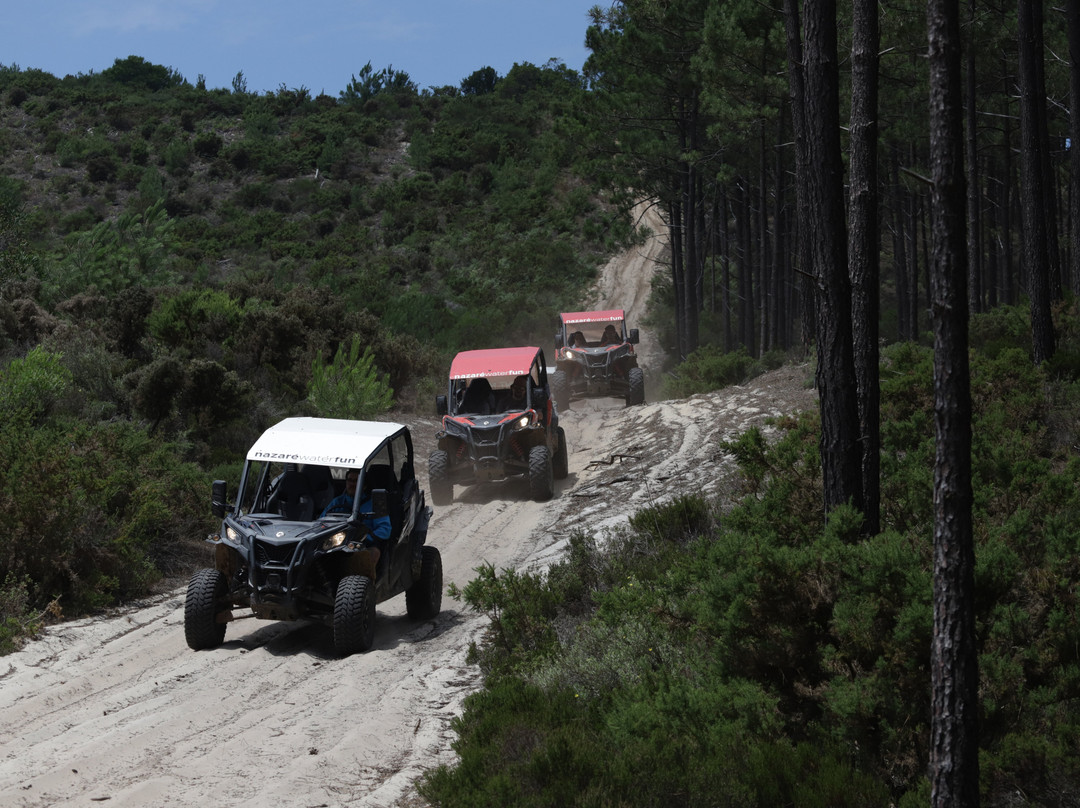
207, 595
423, 600
635, 393
354, 615
560, 466
560, 390
541, 474
442, 490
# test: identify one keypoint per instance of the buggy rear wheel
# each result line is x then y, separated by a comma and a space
561, 463
423, 600
560, 390
635, 392
442, 490
207, 595
354, 615
541, 476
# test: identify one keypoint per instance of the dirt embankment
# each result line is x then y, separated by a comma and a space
119, 711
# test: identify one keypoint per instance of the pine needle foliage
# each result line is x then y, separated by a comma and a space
349, 386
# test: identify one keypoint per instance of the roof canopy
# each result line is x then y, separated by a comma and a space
493, 362
573, 317
322, 441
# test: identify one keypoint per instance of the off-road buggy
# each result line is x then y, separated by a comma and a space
278, 558
489, 434
594, 356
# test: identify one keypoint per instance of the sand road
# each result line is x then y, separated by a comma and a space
119, 711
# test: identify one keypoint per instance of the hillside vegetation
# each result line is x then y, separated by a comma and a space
183, 267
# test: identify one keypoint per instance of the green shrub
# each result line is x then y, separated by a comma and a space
683, 519
103, 523
349, 386
31, 386
710, 368
18, 623
194, 316
177, 156
208, 145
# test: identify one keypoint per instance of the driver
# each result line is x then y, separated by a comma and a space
378, 527
517, 391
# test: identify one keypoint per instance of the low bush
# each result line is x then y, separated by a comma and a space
711, 368
772, 657
95, 514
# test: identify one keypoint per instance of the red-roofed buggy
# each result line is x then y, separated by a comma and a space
499, 420
594, 356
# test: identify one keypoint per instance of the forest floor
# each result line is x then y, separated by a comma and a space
117, 708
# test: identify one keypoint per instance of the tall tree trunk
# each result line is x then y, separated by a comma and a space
864, 238
725, 271
954, 744
1033, 175
779, 314
797, 91
764, 285
691, 199
904, 331
1073, 11
841, 455
1050, 206
974, 216
678, 275
690, 303
744, 293
1005, 208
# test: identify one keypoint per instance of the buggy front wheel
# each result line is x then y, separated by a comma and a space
635, 392
207, 595
541, 475
354, 615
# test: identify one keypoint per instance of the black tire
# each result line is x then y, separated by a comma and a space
635, 392
354, 615
442, 490
560, 390
207, 596
560, 466
423, 600
541, 474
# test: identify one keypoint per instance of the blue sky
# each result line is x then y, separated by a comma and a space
317, 44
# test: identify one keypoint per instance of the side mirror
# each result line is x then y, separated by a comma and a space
558, 342
440, 406
217, 498
633, 338
379, 504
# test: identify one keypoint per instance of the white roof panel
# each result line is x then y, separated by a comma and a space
322, 441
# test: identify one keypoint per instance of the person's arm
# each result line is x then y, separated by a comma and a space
339, 504
379, 526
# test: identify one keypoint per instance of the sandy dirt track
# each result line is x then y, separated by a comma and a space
118, 711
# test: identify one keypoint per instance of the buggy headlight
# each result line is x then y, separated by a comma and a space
523, 422
573, 356
235, 536
330, 542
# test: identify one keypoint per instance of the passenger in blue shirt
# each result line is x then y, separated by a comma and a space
378, 526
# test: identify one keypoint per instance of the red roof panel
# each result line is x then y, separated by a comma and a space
572, 317
492, 362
